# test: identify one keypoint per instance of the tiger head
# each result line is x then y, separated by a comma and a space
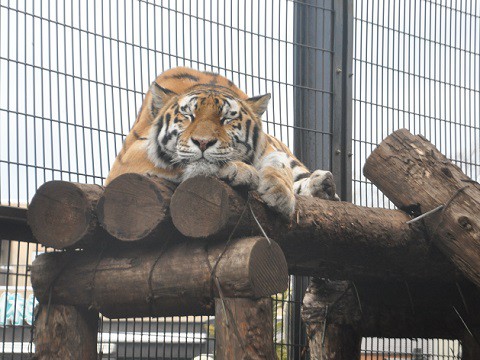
201, 130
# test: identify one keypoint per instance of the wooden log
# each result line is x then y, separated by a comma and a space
62, 214
160, 281
337, 240
13, 224
65, 332
416, 177
136, 207
243, 329
331, 313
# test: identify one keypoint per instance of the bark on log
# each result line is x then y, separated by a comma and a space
331, 314
330, 239
414, 175
160, 281
136, 207
62, 214
65, 332
243, 330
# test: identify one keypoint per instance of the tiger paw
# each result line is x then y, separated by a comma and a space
237, 173
322, 185
277, 193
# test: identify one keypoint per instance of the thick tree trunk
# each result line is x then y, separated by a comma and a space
65, 332
322, 238
416, 177
136, 207
153, 281
331, 313
63, 215
243, 329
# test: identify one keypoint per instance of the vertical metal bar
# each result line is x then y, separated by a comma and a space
342, 97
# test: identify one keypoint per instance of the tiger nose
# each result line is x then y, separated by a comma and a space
204, 144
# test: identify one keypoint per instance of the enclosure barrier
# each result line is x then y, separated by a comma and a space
222, 253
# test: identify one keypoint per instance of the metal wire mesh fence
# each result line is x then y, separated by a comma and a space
416, 65
73, 75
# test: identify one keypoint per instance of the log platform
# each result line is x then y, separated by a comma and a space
389, 275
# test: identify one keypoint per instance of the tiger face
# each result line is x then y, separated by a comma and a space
200, 131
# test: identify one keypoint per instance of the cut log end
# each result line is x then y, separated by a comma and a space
134, 207
268, 268
200, 207
62, 214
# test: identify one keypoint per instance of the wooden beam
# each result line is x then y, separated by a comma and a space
243, 329
160, 281
62, 215
337, 240
65, 332
417, 178
136, 207
13, 224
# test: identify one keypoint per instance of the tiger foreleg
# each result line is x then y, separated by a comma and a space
276, 183
319, 184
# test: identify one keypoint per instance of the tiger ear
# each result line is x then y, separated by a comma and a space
160, 97
259, 104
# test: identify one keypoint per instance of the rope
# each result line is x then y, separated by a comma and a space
54, 280
441, 208
94, 304
225, 248
151, 296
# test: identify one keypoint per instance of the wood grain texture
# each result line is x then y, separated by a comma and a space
65, 332
331, 313
62, 215
416, 177
135, 207
244, 330
157, 281
330, 239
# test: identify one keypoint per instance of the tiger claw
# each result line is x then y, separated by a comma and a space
239, 174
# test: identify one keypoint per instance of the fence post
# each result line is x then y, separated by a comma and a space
322, 98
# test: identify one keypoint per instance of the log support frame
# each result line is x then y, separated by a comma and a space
243, 329
387, 232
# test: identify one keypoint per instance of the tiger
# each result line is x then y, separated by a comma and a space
194, 123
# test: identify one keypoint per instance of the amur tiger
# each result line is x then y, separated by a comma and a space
199, 123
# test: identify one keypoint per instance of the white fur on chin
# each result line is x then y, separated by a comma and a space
200, 168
